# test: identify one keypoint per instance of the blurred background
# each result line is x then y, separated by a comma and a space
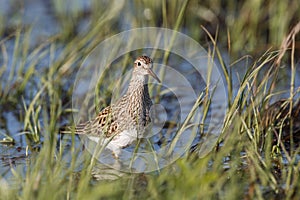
43, 43
241, 27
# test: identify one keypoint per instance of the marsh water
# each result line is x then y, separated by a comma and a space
173, 105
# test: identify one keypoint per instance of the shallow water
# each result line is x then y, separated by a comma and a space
45, 24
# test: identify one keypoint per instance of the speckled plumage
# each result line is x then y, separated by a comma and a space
126, 119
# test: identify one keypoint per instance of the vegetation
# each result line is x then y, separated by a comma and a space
251, 159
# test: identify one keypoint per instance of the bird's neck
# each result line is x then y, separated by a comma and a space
138, 93
138, 85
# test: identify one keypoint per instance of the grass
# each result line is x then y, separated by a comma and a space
36, 85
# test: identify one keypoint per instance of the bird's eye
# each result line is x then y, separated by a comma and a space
139, 63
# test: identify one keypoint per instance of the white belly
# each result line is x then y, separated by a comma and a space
118, 142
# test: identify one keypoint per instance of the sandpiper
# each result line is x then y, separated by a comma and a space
119, 125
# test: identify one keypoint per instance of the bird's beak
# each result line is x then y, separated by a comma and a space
153, 75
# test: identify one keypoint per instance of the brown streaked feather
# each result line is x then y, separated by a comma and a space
146, 59
103, 124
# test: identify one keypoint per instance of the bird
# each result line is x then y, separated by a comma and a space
120, 124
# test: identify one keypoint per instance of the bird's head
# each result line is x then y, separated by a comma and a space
143, 66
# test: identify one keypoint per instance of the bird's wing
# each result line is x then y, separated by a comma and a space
103, 125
